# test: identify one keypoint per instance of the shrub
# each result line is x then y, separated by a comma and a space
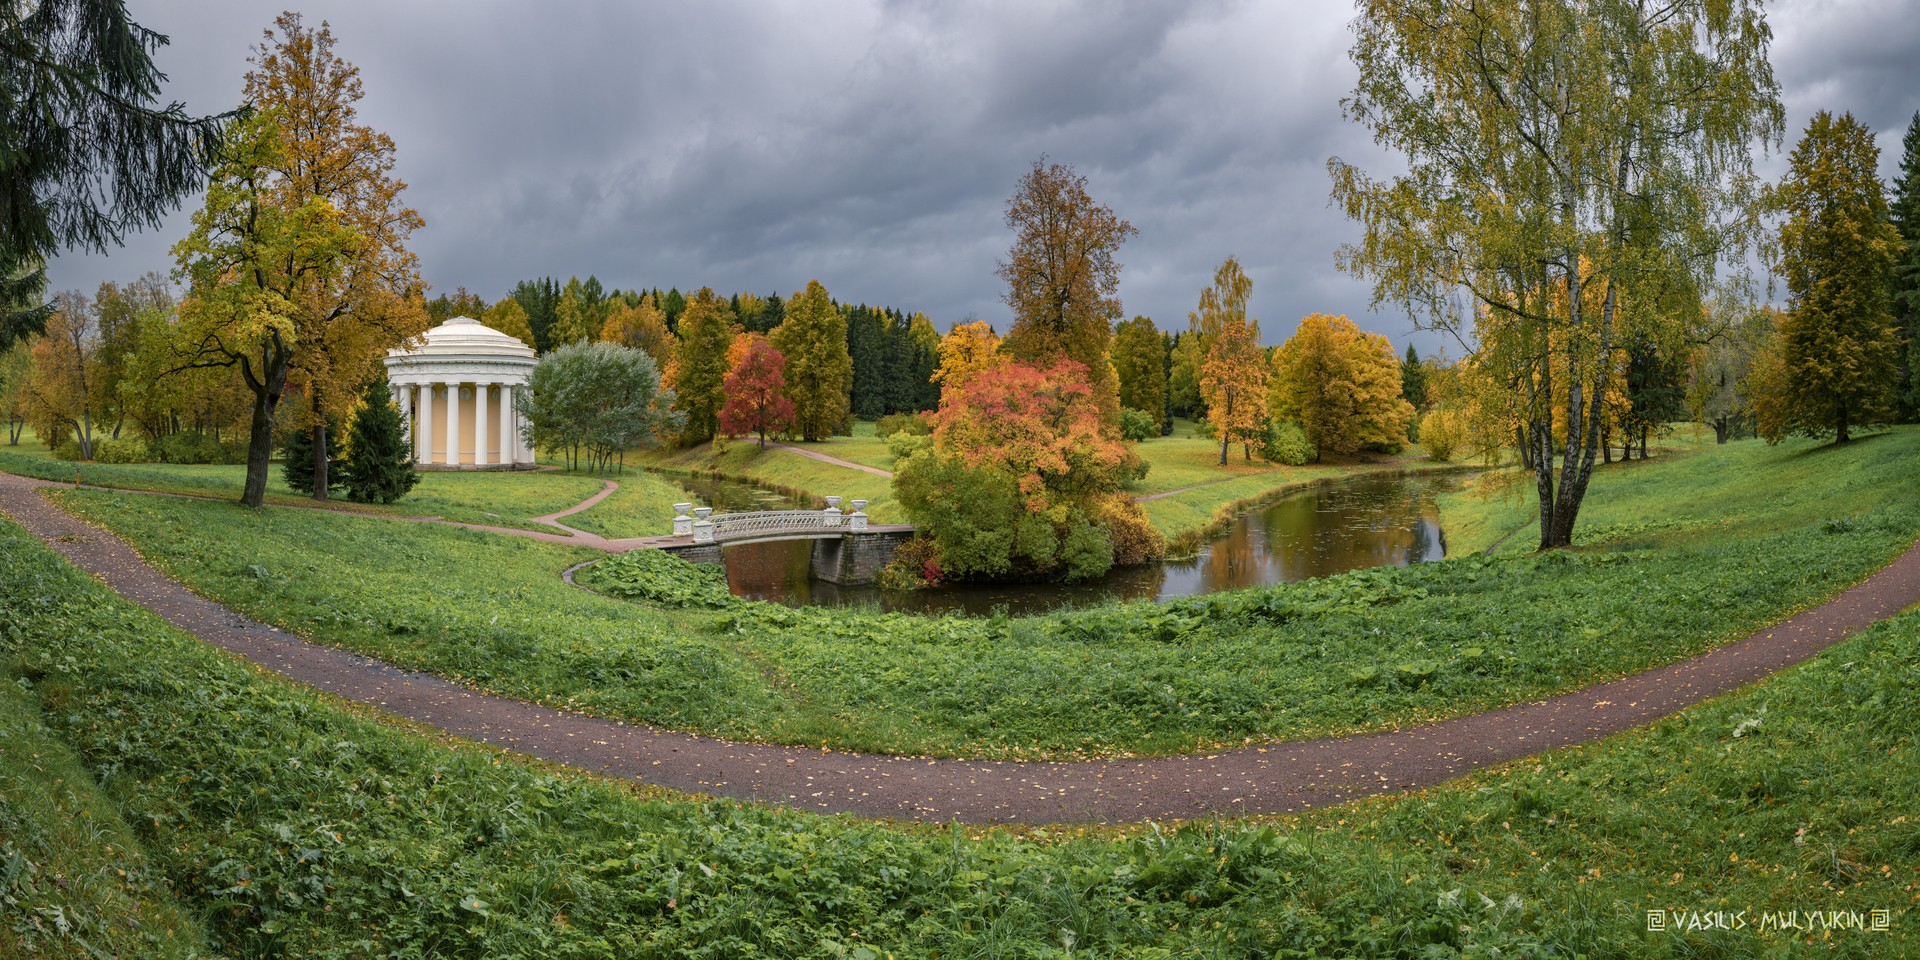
1287, 443
1441, 432
1203, 429
296, 464
897, 423
1138, 425
67, 449
121, 451
903, 444
191, 447
1134, 539
379, 463
916, 564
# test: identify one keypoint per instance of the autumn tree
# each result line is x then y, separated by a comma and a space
756, 391
88, 156
510, 318
700, 364
1140, 365
61, 386
967, 349
1553, 146
1904, 212
1233, 378
1063, 279
819, 368
1022, 480
1342, 385
1718, 392
298, 261
16, 364
641, 326
1839, 346
581, 312
459, 303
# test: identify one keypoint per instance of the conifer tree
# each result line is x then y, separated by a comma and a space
819, 369
1839, 347
1904, 211
379, 464
297, 459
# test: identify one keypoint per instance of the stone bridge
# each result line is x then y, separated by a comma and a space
847, 549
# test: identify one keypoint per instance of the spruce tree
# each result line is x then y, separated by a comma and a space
296, 459
379, 465
1904, 211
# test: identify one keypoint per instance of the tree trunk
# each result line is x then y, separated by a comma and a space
1840, 433
259, 448
320, 463
1223, 449
1720, 430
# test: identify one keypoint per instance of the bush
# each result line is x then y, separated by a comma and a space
662, 579
296, 463
379, 463
68, 449
1287, 443
1441, 432
903, 444
121, 451
1138, 425
916, 564
191, 447
1133, 537
897, 423
1203, 429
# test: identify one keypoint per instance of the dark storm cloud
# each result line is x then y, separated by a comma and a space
873, 146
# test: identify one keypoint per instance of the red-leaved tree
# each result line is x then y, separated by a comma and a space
1040, 425
756, 394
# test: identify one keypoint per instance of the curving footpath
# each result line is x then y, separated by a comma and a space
1268, 779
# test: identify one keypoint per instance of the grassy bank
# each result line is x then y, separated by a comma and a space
744, 459
291, 826
1361, 651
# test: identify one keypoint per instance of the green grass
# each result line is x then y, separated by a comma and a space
291, 826
773, 467
74, 881
498, 498
1361, 651
642, 507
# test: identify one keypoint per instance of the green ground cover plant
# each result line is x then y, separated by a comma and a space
1364, 650
290, 825
74, 881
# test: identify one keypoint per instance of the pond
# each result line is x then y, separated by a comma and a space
1364, 522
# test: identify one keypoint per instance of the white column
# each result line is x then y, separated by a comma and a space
453, 424
402, 400
426, 422
507, 431
482, 392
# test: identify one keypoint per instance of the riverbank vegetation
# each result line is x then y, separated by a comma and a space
1664, 578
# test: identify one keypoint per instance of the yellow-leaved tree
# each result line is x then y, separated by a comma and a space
300, 276
1233, 378
1342, 385
966, 350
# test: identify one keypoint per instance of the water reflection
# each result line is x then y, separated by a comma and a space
1366, 522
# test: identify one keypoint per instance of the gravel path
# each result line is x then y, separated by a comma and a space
1274, 778
836, 461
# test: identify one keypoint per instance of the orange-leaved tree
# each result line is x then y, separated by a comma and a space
1023, 479
1233, 378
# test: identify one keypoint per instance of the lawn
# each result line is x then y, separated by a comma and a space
783, 469
506, 499
1361, 651
287, 824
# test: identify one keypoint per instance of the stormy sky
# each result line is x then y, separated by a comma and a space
872, 145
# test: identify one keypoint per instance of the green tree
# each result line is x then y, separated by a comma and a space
510, 318
1904, 213
1579, 168
1186, 358
379, 463
1140, 364
297, 459
700, 364
1063, 279
87, 156
541, 301
819, 371
581, 312
1413, 381
597, 399
1839, 346
459, 303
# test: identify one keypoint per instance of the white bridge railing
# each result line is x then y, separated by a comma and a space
705, 526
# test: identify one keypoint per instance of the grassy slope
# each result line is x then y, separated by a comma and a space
502, 499
784, 468
1361, 651
74, 881
294, 827
642, 507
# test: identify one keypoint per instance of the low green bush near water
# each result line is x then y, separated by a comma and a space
289, 826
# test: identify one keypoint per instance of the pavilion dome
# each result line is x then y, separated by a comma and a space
466, 337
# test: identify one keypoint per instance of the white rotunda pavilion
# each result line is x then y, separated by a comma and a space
455, 390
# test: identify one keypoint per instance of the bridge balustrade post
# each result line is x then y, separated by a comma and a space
859, 520
703, 531
682, 524
830, 517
